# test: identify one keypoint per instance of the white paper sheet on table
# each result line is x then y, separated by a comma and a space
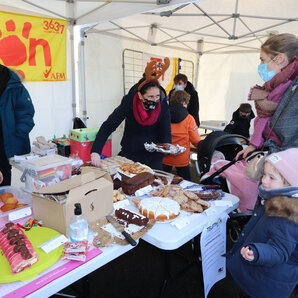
223, 203
181, 222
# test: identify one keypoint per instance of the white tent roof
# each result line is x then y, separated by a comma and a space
86, 11
229, 25
223, 25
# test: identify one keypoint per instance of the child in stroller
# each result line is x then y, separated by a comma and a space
215, 156
215, 165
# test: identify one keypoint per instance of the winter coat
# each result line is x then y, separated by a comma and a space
239, 125
193, 105
16, 112
135, 134
285, 120
184, 130
272, 235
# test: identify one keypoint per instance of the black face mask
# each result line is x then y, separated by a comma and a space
150, 104
245, 116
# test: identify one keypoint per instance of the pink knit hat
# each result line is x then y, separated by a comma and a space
286, 162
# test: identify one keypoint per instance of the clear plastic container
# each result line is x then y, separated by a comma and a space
45, 171
19, 194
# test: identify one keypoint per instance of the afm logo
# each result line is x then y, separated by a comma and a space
58, 76
53, 76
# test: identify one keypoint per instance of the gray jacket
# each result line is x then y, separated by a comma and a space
285, 120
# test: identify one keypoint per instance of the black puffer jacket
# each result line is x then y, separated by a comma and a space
239, 125
193, 105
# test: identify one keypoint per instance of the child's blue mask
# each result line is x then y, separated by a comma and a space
265, 74
179, 87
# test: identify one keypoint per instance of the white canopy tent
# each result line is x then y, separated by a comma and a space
223, 36
55, 102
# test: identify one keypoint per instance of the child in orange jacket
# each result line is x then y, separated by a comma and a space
184, 131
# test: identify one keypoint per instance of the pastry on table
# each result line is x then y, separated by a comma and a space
131, 217
208, 194
17, 249
131, 185
157, 208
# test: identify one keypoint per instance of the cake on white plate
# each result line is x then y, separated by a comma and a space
158, 208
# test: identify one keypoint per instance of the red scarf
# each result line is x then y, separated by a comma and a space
142, 116
261, 94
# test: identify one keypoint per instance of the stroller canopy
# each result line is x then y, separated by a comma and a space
228, 144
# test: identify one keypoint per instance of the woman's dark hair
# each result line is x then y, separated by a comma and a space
149, 85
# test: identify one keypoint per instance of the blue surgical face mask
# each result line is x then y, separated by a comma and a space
265, 74
179, 87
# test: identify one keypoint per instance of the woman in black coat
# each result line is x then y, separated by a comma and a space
147, 119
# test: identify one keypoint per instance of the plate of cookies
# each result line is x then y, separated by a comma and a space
189, 201
12, 199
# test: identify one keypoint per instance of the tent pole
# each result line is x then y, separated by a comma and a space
82, 81
199, 54
71, 22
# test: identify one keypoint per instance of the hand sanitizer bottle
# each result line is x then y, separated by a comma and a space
78, 228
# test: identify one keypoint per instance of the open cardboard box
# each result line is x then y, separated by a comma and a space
93, 189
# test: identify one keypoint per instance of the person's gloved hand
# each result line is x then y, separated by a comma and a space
95, 159
1, 177
245, 151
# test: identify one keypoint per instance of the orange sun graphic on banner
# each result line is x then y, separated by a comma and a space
34, 46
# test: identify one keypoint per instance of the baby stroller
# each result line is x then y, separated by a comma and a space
229, 145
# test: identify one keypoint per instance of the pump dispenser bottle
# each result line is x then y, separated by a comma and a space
78, 228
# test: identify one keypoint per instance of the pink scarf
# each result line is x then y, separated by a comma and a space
142, 116
268, 96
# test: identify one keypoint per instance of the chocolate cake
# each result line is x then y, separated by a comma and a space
116, 182
131, 217
131, 185
208, 195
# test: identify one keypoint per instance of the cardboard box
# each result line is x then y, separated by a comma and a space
83, 135
93, 189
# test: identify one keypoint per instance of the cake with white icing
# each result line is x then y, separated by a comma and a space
160, 209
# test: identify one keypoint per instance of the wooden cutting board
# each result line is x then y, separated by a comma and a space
37, 236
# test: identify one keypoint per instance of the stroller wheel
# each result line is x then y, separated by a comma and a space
234, 231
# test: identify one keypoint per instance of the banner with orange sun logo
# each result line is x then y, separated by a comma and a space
35, 46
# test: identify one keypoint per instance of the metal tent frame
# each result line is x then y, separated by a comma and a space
207, 27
